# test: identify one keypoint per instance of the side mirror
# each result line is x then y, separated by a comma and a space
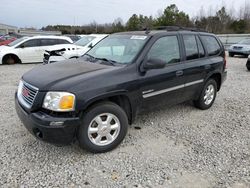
90, 45
154, 63
21, 46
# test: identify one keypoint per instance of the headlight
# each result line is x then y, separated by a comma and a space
20, 87
59, 101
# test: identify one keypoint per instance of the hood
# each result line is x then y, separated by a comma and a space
241, 45
61, 46
63, 75
4, 48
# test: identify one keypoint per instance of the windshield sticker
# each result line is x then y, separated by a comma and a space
138, 37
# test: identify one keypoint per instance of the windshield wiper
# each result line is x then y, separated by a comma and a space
111, 62
90, 56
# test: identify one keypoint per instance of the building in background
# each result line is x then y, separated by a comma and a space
32, 32
6, 29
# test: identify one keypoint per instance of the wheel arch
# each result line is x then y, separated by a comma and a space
121, 99
217, 77
11, 54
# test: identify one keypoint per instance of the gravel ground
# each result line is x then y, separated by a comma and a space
176, 147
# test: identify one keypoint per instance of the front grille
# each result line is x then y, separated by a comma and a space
27, 94
46, 56
238, 47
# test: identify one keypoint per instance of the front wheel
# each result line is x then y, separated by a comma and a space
231, 54
207, 96
103, 128
9, 60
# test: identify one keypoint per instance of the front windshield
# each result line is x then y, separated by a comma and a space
246, 41
118, 48
84, 40
15, 42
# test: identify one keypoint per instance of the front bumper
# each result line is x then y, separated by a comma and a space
53, 59
39, 125
239, 52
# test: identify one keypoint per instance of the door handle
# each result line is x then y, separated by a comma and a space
179, 73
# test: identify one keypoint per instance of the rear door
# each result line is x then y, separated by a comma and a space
164, 86
46, 43
202, 58
196, 65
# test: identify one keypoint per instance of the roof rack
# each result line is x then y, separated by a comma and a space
179, 28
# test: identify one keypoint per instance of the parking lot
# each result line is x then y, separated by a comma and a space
179, 146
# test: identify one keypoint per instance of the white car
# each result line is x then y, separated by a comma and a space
79, 48
29, 49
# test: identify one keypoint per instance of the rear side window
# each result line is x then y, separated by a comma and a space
50, 42
165, 49
62, 41
191, 47
211, 44
200, 47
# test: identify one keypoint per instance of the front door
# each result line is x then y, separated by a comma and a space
164, 86
27, 51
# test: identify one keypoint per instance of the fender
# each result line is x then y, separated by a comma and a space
104, 96
212, 73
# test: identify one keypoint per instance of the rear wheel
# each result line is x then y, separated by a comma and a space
207, 96
231, 54
103, 127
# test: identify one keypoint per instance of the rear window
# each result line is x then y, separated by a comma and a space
191, 47
211, 44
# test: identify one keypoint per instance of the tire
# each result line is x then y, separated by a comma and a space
9, 60
203, 103
94, 127
231, 54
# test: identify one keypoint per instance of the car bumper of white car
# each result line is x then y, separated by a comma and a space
52, 59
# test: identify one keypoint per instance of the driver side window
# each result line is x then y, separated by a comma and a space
30, 43
165, 49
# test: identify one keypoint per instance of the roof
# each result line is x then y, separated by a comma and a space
161, 30
50, 37
98, 35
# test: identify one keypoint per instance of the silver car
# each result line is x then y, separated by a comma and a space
241, 48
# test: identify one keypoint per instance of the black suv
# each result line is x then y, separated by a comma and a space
95, 97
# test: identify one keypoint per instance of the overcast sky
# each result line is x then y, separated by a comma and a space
38, 13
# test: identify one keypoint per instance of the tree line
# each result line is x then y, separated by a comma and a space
220, 21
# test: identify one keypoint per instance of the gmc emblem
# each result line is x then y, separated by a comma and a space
25, 92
